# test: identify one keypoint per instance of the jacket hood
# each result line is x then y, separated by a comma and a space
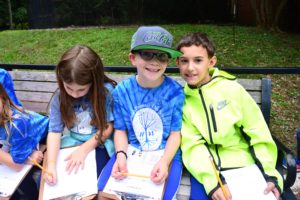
215, 72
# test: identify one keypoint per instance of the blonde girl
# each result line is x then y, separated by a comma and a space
20, 133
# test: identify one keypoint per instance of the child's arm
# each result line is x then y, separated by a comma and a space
160, 171
107, 133
6, 159
121, 145
77, 158
53, 144
264, 147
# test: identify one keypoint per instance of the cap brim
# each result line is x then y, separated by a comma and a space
173, 53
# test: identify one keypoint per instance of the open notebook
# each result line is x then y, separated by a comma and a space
247, 183
10, 179
73, 186
134, 187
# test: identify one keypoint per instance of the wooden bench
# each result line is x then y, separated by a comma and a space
35, 89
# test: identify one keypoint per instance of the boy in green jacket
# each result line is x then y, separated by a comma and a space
222, 121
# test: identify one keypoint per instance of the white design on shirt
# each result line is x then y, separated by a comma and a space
83, 123
148, 128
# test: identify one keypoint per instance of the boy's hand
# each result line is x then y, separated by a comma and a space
271, 187
75, 160
159, 172
119, 167
219, 195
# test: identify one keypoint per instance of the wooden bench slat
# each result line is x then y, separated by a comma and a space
33, 76
256, 96
250, 84
185, 180
34, 96
183, 192
36, 106
35, 86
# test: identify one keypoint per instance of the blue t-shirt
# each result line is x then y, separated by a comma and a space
7, 83
26, 131
148, 114
82, 130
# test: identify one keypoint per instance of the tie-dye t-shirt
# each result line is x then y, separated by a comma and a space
82, 130
148, 114
26, 131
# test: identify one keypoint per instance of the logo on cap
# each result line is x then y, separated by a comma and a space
158, 37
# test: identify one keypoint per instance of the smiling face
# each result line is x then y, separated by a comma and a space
75, 90
149, 72
194, 65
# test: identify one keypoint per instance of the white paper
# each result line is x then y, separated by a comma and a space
10, 179
81, 184
247, 183
140, 163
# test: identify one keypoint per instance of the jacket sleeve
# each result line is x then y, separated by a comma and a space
195, 154
255, 127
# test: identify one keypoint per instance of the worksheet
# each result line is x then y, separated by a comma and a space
247, 183
137, 184
81, 184
10, 179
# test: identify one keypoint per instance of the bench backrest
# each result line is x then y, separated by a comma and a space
35, 89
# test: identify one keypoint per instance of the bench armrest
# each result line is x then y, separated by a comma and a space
285, 155
291, 173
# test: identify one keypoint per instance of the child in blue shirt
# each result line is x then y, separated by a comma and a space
20, 134
82, 106
147, 110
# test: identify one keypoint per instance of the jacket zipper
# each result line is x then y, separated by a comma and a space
213, 117
208, 124
207, 118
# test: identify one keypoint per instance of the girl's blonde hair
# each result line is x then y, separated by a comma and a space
7, 105
82, 65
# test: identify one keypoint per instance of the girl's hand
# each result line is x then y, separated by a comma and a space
219, 195
75, 160
51, 179
119, 167
271, 187
37, 156
159, 172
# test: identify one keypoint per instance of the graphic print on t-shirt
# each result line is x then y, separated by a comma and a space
148, 128
83, 123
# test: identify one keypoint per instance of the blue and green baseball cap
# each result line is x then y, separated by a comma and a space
154, 38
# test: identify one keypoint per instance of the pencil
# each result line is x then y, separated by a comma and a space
218, 177
41, 167
136, 175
